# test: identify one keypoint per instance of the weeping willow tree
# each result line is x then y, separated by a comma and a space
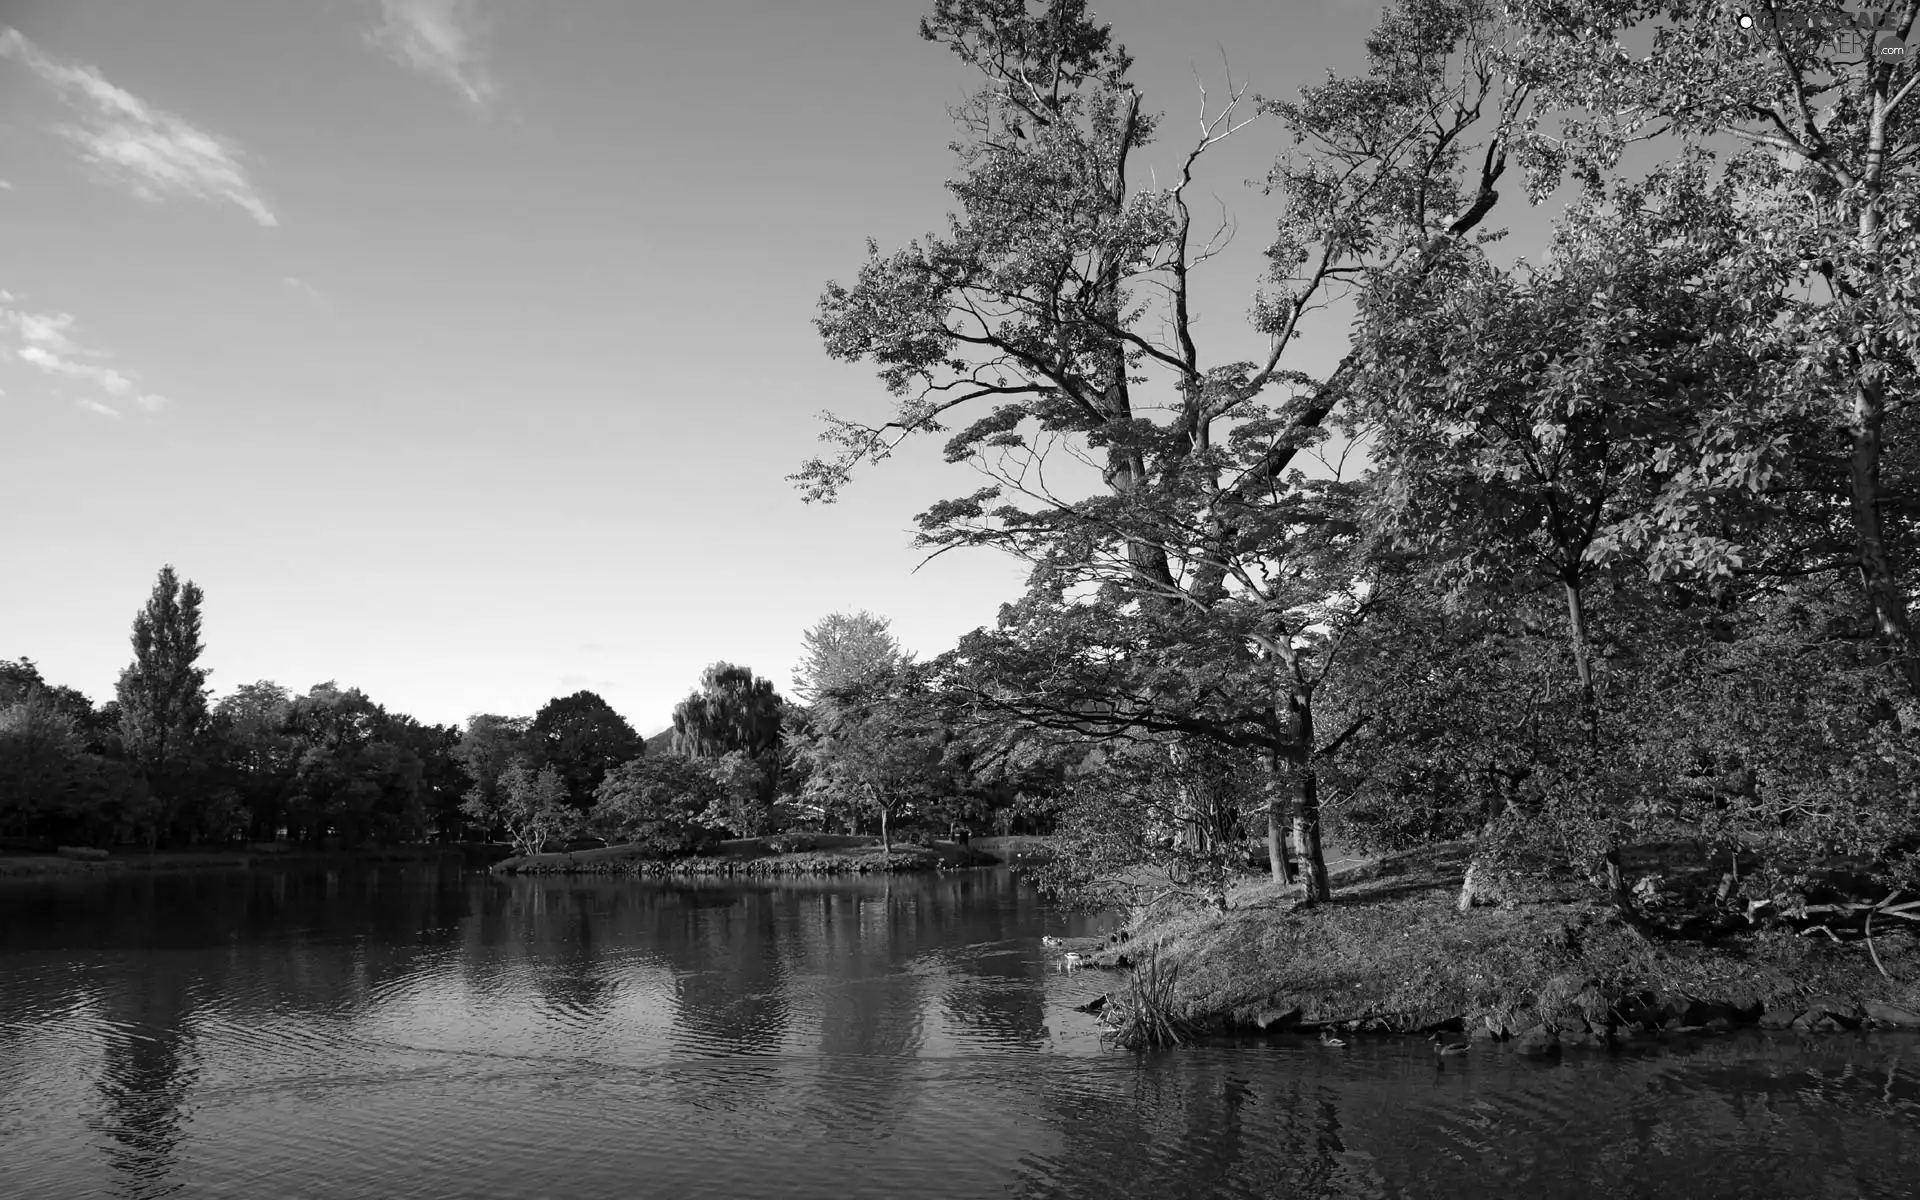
733, 709
731, 724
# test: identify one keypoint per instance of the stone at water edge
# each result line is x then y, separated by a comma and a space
1642, 1008
1893, 1015
1271, 1019
1581, 1032
1538, 1042
1779, 1018
1705, 1012
1828, 1014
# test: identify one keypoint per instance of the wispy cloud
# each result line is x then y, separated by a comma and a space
441, 38
46, 341
306, 289
153, 151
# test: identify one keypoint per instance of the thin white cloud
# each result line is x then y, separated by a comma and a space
46, 342
156, 153
306, 289
441, 38
5, 185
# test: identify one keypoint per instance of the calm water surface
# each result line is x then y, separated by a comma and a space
423, 1032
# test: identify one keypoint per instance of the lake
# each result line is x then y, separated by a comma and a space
424, 1032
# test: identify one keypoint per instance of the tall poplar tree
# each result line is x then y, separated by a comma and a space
163, 694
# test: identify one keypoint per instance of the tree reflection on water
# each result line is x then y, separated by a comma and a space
424, 1031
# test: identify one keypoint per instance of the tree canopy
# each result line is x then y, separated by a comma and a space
582, 738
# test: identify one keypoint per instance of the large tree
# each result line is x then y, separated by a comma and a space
582, 738
52, 784
1538, 427
443, 782
844, 650
251, 725
21, 678
163, 693
733, 709
490, 744
531, 804
875, 748
1044, 305
354, 775
1827, 204
657, 803
732, 726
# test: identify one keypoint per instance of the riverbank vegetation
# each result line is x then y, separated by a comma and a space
785, 854
1557, 967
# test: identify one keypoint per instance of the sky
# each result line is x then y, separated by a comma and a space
460, 349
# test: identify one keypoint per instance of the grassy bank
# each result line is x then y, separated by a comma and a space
1394, 954
791, 854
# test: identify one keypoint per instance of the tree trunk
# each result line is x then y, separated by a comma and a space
1277, 822
886, 846
1622, 896
1577, 634
1582, 662
1877, 575
1306, 795
1306, 832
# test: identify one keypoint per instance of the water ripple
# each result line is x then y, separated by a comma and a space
453, 1036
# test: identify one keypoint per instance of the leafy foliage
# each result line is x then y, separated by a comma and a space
875, 748
582, 738
658, 803
1149, 819
733, 709
1817, 230
531, 805
163, 694
845, 650
489, 746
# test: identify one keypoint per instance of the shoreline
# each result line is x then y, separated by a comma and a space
792, 854
1547, 968
828, 854
58, 866
1395, 954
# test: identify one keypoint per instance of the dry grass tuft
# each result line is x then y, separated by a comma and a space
1144, 1016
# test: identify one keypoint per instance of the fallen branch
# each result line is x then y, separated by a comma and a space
1878, 965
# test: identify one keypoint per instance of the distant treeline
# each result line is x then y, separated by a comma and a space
165, 764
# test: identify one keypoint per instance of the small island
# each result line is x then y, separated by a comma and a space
1547, 963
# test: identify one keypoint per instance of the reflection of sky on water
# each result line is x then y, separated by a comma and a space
449, 1035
